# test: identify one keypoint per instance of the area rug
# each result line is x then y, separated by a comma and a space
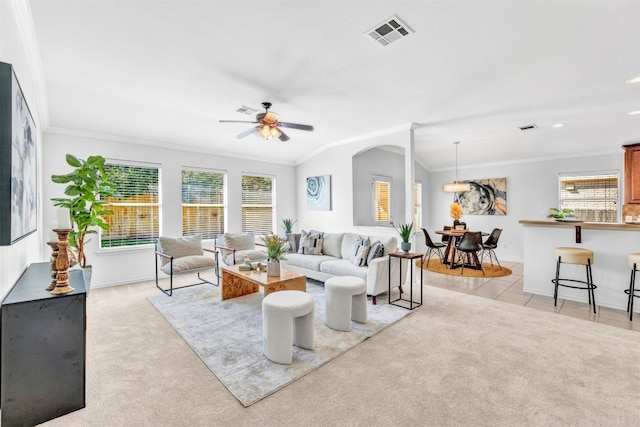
489, 270
227, 335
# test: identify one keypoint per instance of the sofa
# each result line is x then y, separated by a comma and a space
336, 254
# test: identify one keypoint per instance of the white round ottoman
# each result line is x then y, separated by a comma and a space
345, 300
287, 316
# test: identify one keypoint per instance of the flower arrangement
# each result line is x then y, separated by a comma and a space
276, 247
455, 210
405, 231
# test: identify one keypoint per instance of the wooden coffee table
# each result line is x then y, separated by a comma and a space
236, 283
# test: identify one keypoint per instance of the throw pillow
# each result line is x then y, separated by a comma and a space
376, 251
239, 242
179, 247
310, 243
360, 251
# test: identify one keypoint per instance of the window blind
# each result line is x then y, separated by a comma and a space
382, 200
135, 219
203, 205
257, 204
593, 198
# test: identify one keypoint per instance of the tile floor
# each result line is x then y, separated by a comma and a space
509, 290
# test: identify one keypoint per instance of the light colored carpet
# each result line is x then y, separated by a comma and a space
227, 335
457, 360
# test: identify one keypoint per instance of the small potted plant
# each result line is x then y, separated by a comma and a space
561, 214
87, 188
455, 211
276, 249
406, 233
287, 224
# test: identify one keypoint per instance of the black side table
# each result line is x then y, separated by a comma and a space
409, 256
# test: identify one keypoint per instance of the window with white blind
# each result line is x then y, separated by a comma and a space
417, 206
135, 219
258, 205
381, 198
203, 203
592, 197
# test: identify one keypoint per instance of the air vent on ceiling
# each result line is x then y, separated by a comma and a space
247, 110
389, 31
529, 127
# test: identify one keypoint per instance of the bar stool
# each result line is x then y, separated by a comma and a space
578, 256
633, 261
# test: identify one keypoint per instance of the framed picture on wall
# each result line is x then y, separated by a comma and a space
18, 167
319, 193
486, 197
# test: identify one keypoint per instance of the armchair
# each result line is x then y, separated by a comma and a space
182, 255
235, 247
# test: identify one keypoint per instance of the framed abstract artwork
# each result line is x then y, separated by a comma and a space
319, 193
18, 168
486, 197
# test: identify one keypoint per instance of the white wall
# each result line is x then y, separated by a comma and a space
15, 258
115, 266
532, 188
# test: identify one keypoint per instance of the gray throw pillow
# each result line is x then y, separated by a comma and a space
376, 251
310, 243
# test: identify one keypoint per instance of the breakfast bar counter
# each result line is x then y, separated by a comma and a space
610, 242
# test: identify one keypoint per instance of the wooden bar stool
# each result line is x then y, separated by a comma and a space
578, 256
633, 261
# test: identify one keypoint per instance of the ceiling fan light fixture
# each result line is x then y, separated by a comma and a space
456, 186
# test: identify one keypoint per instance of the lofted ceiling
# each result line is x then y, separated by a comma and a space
166, 71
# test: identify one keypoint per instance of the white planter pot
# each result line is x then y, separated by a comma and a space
273, 268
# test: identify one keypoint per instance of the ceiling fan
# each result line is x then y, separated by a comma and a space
268, 125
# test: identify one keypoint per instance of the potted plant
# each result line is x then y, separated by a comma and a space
87, 187
406, 233
287, 224
276, 248
560, 213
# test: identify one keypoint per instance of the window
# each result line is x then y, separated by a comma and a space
257, 203
593, 198
417, 206
203, 203
135, 208
381, 199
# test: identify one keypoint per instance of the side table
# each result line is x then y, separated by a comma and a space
408, 256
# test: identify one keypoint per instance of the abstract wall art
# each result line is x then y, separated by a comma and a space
486, 197
319, 193
18, 168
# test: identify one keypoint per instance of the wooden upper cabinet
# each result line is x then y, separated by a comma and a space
632, 173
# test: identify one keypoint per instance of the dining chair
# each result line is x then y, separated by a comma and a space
469, 247
489, 246
432, 247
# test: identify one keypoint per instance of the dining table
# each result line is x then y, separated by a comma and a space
450, 250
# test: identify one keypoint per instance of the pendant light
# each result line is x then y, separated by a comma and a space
456, 186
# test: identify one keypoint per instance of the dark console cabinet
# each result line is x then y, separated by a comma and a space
42, 353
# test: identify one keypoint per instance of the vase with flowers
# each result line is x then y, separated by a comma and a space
276, 248
455, 211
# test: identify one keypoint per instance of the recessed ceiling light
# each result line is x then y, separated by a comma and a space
634, 80
633, 113
558, 125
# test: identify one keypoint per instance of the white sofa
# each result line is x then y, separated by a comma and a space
335, 260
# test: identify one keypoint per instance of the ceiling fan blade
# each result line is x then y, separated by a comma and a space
247, 132
236, 121
296, 126
283, 136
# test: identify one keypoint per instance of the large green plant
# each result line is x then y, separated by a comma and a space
276, 247
87, 187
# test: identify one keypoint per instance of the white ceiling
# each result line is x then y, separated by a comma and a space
166, 71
